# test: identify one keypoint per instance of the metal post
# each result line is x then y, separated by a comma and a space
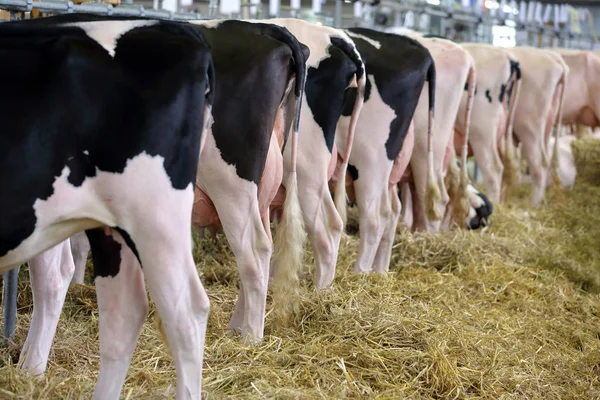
11, 279
338, 14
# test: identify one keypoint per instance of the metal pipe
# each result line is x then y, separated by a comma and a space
11, 280
338, 14
94, 8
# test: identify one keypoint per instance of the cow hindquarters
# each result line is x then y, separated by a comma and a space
49, 274
122, 305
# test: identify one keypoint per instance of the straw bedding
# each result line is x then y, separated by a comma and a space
513, 312
586, 154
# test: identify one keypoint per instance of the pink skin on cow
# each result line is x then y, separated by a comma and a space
538, 109
488, 118
407, 187
453, 65
582, 95
80, 247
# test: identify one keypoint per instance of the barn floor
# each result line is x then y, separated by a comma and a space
510, 313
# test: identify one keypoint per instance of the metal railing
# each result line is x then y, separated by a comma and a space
63, 7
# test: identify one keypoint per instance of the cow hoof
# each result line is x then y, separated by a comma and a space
383, 274
324, 289
250, 339
358, 270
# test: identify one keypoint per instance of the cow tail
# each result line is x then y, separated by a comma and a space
433, 195
460, 203
361, 80
554, 164
288, 249
511, 167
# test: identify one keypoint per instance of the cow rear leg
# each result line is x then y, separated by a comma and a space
419, 171
533, 151
49, 274
373, 208
406, 205
122, 305
166, 255
488, 160
384, 252
324, 228
249, 241
80, 246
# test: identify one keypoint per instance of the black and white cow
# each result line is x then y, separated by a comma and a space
257, 98
111, 148
334, 65
260, 75
396, 68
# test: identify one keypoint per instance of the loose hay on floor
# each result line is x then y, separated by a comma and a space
586, 154
510, 313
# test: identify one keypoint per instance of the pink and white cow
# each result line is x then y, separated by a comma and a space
455, 68
496, 94
582, 92
539, 109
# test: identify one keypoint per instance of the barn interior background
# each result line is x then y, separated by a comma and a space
503, 23
514, 281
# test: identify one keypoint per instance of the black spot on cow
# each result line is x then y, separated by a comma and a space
148, 99
325, 86
502, 90
466, 86
246, 101
515, 67
399, 68
488, 96
129, 242
353, 172
509, 91
106, 253
515, 72
80, 167
350, 98
484, 212
351, 53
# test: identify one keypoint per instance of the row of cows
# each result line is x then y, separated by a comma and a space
144, 126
